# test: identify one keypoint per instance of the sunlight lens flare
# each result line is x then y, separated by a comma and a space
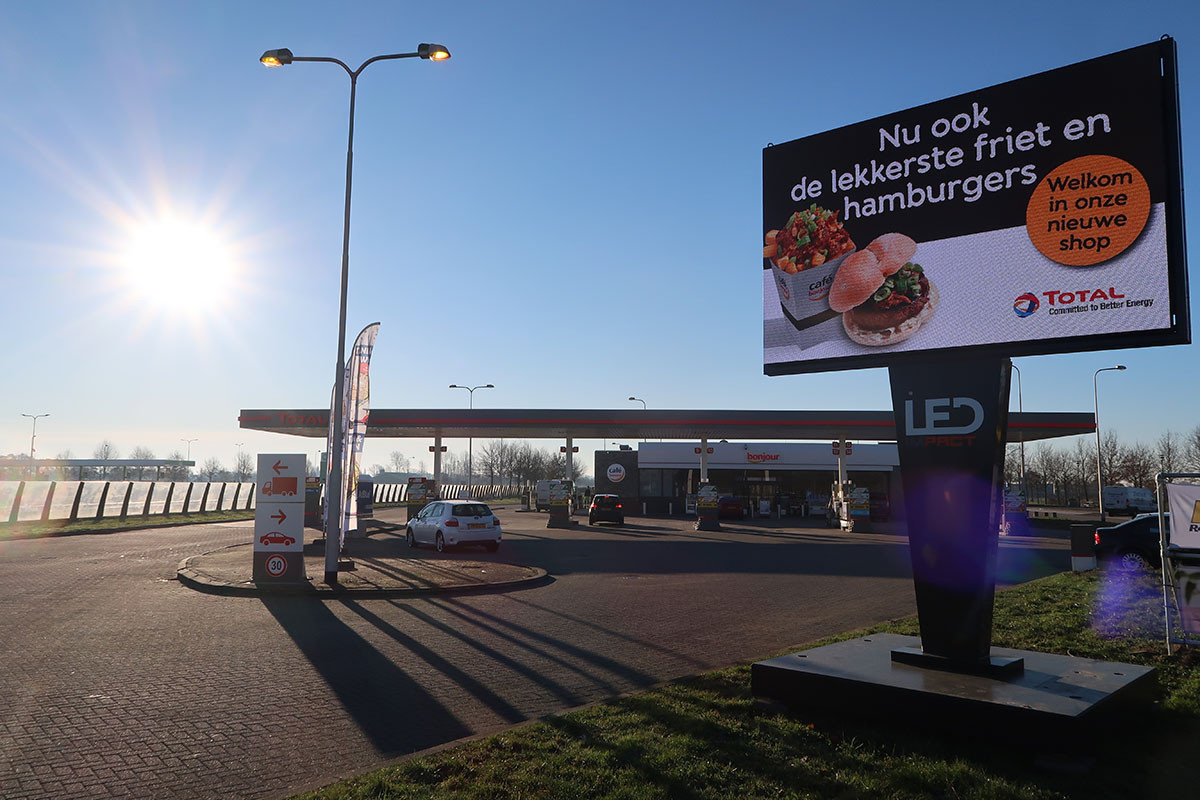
178, 265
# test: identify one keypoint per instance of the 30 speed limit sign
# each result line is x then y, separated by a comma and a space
276, 565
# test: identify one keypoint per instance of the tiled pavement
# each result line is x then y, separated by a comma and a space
118, 681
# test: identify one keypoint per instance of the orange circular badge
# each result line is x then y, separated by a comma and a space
1088, 210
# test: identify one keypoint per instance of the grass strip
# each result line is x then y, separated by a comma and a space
707, 737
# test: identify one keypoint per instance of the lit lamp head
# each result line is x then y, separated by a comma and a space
276, 58
433, 52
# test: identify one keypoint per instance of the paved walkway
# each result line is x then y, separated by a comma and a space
381, 565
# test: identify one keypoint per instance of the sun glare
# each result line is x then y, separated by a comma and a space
180, 265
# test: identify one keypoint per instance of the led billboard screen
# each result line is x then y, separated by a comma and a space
1041, 215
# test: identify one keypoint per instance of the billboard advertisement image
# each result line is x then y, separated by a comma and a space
1041, 215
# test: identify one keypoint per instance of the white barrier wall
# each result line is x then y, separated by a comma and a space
31, 501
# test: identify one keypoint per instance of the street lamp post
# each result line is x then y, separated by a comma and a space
643, 402
33, 437
471, 439
283, 57
1021, 407
1099, 463
189, 452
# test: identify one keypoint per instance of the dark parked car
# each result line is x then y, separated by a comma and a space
606, 508
1131, 545
730, 507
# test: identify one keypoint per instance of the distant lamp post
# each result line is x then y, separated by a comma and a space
280, 58
1021, 407
189, 454
471, 439
33, 437
643, 402
1099, 460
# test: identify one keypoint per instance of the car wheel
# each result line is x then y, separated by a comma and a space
412, 540
441, 543
591, 521
492, 546
1132, 560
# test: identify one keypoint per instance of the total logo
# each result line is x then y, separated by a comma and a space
1028, 303
616, 473
1025, 305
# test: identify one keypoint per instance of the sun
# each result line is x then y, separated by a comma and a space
173, 264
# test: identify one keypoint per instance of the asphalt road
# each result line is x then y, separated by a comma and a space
118, 681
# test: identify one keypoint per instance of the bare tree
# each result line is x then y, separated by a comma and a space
493, 460
1191, 450
212, 469
1169, 452
398, 461
175, 472
143, 453
1083, 460
1012, 465
1112, 459
1138, 466
244, 467
1051, 464
106, 451
558, 467
454, 467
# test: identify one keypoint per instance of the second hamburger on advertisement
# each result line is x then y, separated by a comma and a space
883, 297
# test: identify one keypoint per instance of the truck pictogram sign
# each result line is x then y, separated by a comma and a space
280, 486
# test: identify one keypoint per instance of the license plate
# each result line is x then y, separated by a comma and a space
475, 525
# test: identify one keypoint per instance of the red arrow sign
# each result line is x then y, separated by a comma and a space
279, 515
278, 467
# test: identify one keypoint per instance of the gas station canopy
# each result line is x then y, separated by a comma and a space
514, 423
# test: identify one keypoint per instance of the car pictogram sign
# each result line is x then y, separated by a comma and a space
278, 543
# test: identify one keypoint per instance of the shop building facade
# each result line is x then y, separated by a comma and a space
792, 478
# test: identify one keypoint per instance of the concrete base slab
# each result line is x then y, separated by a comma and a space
1056, 698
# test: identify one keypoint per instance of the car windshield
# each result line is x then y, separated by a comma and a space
471, 510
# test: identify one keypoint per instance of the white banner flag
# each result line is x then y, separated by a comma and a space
357, 410
1183, 500
1187, 583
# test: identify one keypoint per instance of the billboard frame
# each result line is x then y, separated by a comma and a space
1179, 331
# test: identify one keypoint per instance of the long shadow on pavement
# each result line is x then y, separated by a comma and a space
499, 705
377, 694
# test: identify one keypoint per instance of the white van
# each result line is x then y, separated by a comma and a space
1128, 500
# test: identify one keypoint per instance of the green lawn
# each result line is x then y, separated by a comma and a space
707, 737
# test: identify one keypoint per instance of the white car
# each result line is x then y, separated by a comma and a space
449, 523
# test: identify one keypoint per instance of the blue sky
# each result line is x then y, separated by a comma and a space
570, 208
